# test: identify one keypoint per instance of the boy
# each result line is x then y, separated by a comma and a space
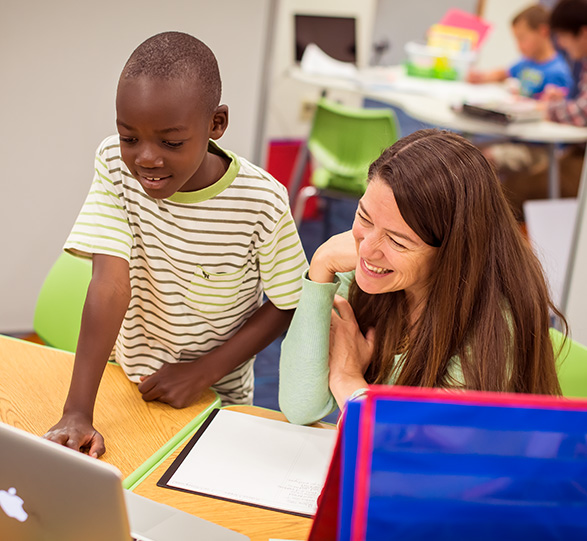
541, 66
184, 237
569, 25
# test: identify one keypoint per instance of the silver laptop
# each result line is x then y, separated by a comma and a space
51, 493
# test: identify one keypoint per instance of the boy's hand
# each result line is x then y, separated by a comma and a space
553, 93
76, 432
475, 77
176, 384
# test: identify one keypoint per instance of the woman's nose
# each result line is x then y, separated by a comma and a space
148, 156
370, 245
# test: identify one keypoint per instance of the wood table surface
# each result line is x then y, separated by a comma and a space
258, 524
34, 381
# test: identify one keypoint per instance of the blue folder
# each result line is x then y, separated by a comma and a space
445, 465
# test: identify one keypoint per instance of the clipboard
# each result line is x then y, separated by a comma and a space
254, 461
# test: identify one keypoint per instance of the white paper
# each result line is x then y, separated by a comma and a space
316, 61
259, 461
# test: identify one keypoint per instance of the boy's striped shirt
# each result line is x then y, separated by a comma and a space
199, 261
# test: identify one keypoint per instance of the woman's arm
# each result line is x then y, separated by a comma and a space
304, 396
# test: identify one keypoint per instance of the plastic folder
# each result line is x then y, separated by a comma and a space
453, 465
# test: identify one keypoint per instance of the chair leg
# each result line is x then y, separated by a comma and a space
300, 203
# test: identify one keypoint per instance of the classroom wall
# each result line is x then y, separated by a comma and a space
390, 24
60, 63
500, 48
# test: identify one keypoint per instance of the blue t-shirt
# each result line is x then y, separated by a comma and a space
534, 76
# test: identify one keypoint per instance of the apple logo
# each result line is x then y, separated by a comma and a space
11, 504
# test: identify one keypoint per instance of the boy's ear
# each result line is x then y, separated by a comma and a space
219, 122
544, 30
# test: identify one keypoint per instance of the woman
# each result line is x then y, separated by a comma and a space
442, 289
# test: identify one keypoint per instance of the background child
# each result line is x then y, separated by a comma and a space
542, 65
569, 25
184, 237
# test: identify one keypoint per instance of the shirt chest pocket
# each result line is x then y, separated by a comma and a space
215, 290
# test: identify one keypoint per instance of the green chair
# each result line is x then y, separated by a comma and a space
58, 311
344, 141
571, 365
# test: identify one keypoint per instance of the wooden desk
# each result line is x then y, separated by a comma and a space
34, 381
259, 524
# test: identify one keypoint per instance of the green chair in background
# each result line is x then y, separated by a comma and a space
343, 141
58, 311
571, 365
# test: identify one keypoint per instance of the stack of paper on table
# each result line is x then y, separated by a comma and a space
253, 460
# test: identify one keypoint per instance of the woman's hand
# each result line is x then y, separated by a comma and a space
350, 352
337, 254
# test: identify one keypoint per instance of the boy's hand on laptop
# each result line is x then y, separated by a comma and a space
176, 384
76, 432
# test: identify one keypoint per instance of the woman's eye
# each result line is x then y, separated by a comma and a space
128, 140
173, 144
363, 219
396, 244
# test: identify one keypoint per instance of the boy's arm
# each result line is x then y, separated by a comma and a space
492, 76
181, 384
106, 303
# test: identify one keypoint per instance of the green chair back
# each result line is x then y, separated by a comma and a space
345, 140
571, 365
58, 311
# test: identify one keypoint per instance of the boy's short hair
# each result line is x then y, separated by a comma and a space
176, 55
535, 16
569, 16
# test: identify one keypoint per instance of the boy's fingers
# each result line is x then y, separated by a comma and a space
152, 394
97, 448
73, 443
57, 436
146, 384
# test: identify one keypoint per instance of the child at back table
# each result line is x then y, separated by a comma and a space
184, 238
542, 65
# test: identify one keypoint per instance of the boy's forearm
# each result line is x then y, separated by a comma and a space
104, 309
262, 328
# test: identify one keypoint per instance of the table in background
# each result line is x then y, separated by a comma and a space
259, 524
434, 107
34, 381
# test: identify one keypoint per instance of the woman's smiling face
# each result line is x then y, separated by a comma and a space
391, 257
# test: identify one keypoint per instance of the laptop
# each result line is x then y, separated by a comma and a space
505, 112
49, 492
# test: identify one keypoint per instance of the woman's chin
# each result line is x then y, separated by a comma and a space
373, 286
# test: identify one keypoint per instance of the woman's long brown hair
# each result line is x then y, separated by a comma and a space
488, 302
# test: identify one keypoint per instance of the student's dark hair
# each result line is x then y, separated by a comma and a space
176, 55
488, 302
535, 16
569, 16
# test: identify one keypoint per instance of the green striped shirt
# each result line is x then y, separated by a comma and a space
199, 261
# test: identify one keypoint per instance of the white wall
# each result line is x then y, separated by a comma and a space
398, 22
60, 63
500, 49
